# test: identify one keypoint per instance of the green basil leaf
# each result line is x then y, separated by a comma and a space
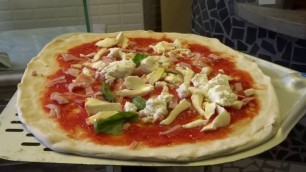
114, 124
107, 93
138, 58
139, 102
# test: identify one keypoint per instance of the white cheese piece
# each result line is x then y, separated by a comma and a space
150, 63
183, 105
100, 115
209, 109
99, 65
174, 79
155, 108
107, 42
199, 80
197, 100
237, 104
118, 69
178, 43
126, 56
222, 120
132, 93
162, 47
222, 95
87, 72
195, 90
164, 61
165, 95
94, 106
135, 87
160, 83
98, 55
187, 73
249, 92
122, 40
155, 75
206, 70
114, 52
130, 107
134, 82
220, 79
196, 123
183, 90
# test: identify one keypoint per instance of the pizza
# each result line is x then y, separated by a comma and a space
148, 96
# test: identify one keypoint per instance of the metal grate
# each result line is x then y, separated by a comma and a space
17, 144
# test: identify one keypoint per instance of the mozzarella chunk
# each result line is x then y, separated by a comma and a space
165, 95
187, 73
220, 79
196, 123
199, 80
122, 40
99, 65
164, 61
222, 120
132, 93
155, 75
94, 106
209, 109
249, 92
114, 52
150, 63
160, 83
98, 55
87, 72
135, 87
237, 104
197, 100
156, 108
183, 105
118, 69
107, 42
100, 115
183, 91
130, 107
222, 95
126, 56
206, 70
134, 82
174, 79
162, 47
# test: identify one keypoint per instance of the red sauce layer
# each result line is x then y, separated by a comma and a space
73, 115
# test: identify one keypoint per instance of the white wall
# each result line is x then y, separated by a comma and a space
116, 14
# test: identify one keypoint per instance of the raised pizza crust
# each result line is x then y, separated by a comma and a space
30, 91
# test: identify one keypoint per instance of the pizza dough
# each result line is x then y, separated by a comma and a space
245, 133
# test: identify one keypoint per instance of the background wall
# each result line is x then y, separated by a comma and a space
217, 19
25, 14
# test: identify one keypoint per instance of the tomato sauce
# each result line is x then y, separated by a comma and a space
73, 115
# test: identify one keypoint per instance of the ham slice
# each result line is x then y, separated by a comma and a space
171, 130
69, 57
133, 145
72, 71
82, 81
54, 110
57, 80
89, 91
59, 98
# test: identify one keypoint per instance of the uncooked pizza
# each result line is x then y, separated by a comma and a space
147, 96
